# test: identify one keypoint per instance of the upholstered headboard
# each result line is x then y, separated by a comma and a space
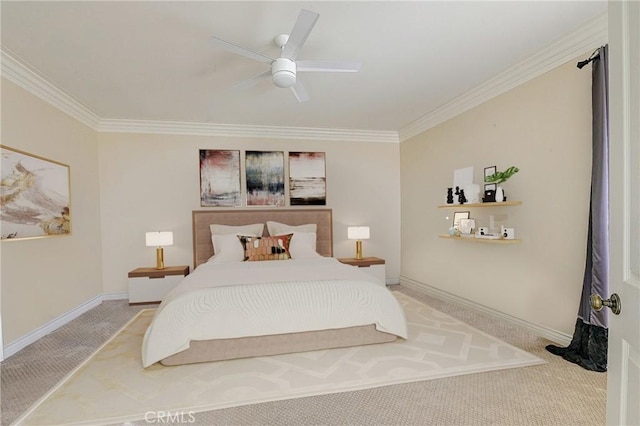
201, 219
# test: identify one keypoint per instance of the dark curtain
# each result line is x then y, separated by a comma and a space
588, 348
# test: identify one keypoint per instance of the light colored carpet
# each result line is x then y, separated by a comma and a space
111, 386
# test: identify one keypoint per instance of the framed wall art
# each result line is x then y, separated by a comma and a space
489, 171
265, 178
220, 178
307, 179
457, 216
35, 196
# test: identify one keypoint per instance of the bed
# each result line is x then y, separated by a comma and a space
229, 308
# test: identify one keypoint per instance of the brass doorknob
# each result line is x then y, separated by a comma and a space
613, 302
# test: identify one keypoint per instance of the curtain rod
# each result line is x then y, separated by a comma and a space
595, 55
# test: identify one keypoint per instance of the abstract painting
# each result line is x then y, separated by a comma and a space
35, 196
220, 178
265, 178
307, 179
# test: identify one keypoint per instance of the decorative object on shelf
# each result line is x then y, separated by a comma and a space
461, 197
358, 233
36, 196
466, 226
501, 177
489, 196
159, 239
449, 195
490, 187
508, 233
454, 232
462, 177
457, 216
472, 193
489, 171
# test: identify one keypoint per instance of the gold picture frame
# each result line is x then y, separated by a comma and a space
35, 196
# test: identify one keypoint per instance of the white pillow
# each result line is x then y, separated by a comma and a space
226, 246
303, 245
254, 230
276, 228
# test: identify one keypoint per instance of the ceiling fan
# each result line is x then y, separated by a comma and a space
284, 69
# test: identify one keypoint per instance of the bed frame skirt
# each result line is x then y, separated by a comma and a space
245, 347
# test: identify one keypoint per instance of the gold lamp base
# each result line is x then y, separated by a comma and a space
358, 249
159, 258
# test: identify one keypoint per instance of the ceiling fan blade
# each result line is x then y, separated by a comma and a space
328, 66
300, 92
252, 81
299, 33
230, 47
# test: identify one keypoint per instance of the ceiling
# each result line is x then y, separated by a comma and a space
154, 60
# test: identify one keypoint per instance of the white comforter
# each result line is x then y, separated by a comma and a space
228, 300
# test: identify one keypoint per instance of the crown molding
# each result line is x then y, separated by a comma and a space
17, 72
230, 130
23, 76
590, 36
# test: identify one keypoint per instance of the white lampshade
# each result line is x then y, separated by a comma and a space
159, 239
358, 232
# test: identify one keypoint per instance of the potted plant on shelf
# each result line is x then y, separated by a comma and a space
501, 177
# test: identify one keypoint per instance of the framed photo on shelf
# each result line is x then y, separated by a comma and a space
466, 226
457, 216
488, 171
490, 187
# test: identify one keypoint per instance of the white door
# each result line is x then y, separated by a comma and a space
623, 377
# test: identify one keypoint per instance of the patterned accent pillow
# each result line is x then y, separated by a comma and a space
266, 248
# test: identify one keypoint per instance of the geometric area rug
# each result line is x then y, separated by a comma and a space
112, 387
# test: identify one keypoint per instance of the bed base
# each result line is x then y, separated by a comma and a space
246, 347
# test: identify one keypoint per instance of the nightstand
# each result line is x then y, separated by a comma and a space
373, 266
150, 285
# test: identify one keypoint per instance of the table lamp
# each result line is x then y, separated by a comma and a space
358, 233
159, 239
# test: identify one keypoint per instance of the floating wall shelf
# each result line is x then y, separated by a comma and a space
500, 204
481, 240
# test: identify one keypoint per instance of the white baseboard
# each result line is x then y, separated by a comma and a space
114, 296
555, 336
56, 323
392, 281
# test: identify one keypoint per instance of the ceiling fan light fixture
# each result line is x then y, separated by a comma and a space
283, 71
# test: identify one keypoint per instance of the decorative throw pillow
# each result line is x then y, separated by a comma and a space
266, 248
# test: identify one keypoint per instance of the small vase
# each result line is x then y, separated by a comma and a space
499, 195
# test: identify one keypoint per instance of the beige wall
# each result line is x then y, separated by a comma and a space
141, 182
151, 182
544, 128
45, 278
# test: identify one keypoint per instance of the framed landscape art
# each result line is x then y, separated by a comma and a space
220, 178
264, 178
35, 196
307, 179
